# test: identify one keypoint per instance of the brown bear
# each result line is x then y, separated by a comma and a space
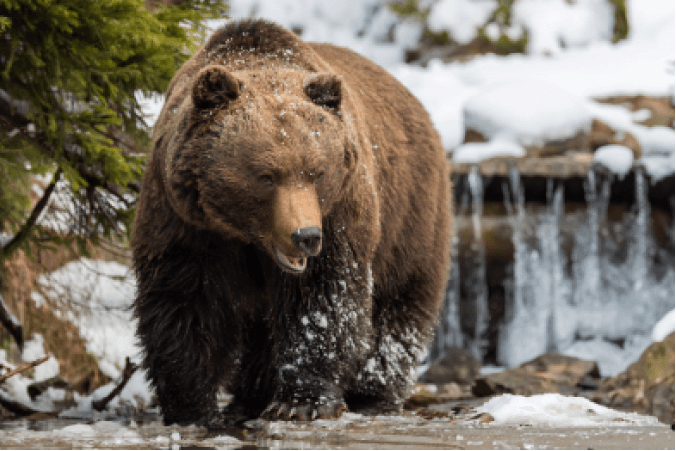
291, 239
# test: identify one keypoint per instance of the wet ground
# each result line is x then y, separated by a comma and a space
433, 429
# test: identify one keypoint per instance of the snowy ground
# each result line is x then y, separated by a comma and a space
506, 422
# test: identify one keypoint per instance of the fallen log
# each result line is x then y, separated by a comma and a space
15, 406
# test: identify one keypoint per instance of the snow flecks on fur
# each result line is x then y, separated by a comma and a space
395, 362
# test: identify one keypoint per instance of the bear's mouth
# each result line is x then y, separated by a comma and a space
294, 265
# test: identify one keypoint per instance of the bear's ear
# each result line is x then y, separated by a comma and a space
324, 90
214, 87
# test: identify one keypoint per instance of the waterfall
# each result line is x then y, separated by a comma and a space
578, 284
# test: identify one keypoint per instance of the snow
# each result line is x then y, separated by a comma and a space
98, 294
442, 93
658, 167
34, 350
361, 25
221, 439
460, 17
650, 19
500, 146
657, 143
619, 159
555, 410
664, 327
5, 238
528, 111
554, 25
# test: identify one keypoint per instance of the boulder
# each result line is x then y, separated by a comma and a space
548, 373
647, 385
457, 365
563, 367
423, 395
602, 134
545, 119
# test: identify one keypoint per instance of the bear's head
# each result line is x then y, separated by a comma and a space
261, 156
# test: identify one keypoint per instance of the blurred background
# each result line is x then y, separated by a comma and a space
558, 121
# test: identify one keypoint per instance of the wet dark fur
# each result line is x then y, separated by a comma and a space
215, 310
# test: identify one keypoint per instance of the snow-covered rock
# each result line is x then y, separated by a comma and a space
500, 146
618, 159
529, 112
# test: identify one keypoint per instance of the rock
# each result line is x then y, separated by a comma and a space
544, 119
602, 134
583, 142
660, 399
516, 381
457, 365
563, 367
422, 395
647, 385
548, 373
660, 108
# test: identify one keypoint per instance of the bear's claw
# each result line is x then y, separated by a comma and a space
303, 411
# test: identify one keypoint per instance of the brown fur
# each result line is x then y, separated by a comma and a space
263, 134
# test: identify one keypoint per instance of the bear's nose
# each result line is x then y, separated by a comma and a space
308, 240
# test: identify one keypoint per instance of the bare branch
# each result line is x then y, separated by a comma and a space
25, 229
129, 369
23, 368
11, 323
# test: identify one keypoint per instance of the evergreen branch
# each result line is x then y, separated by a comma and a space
25, 229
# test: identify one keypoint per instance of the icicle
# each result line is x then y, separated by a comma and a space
641, 231
552, 277
514, 342
449, 332
475, 280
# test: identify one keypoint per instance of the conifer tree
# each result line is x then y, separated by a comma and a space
70, 74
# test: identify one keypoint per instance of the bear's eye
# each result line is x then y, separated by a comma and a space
266, 180
319, 177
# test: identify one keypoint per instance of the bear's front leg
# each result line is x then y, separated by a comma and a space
322, 334
305, 396
190, 343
